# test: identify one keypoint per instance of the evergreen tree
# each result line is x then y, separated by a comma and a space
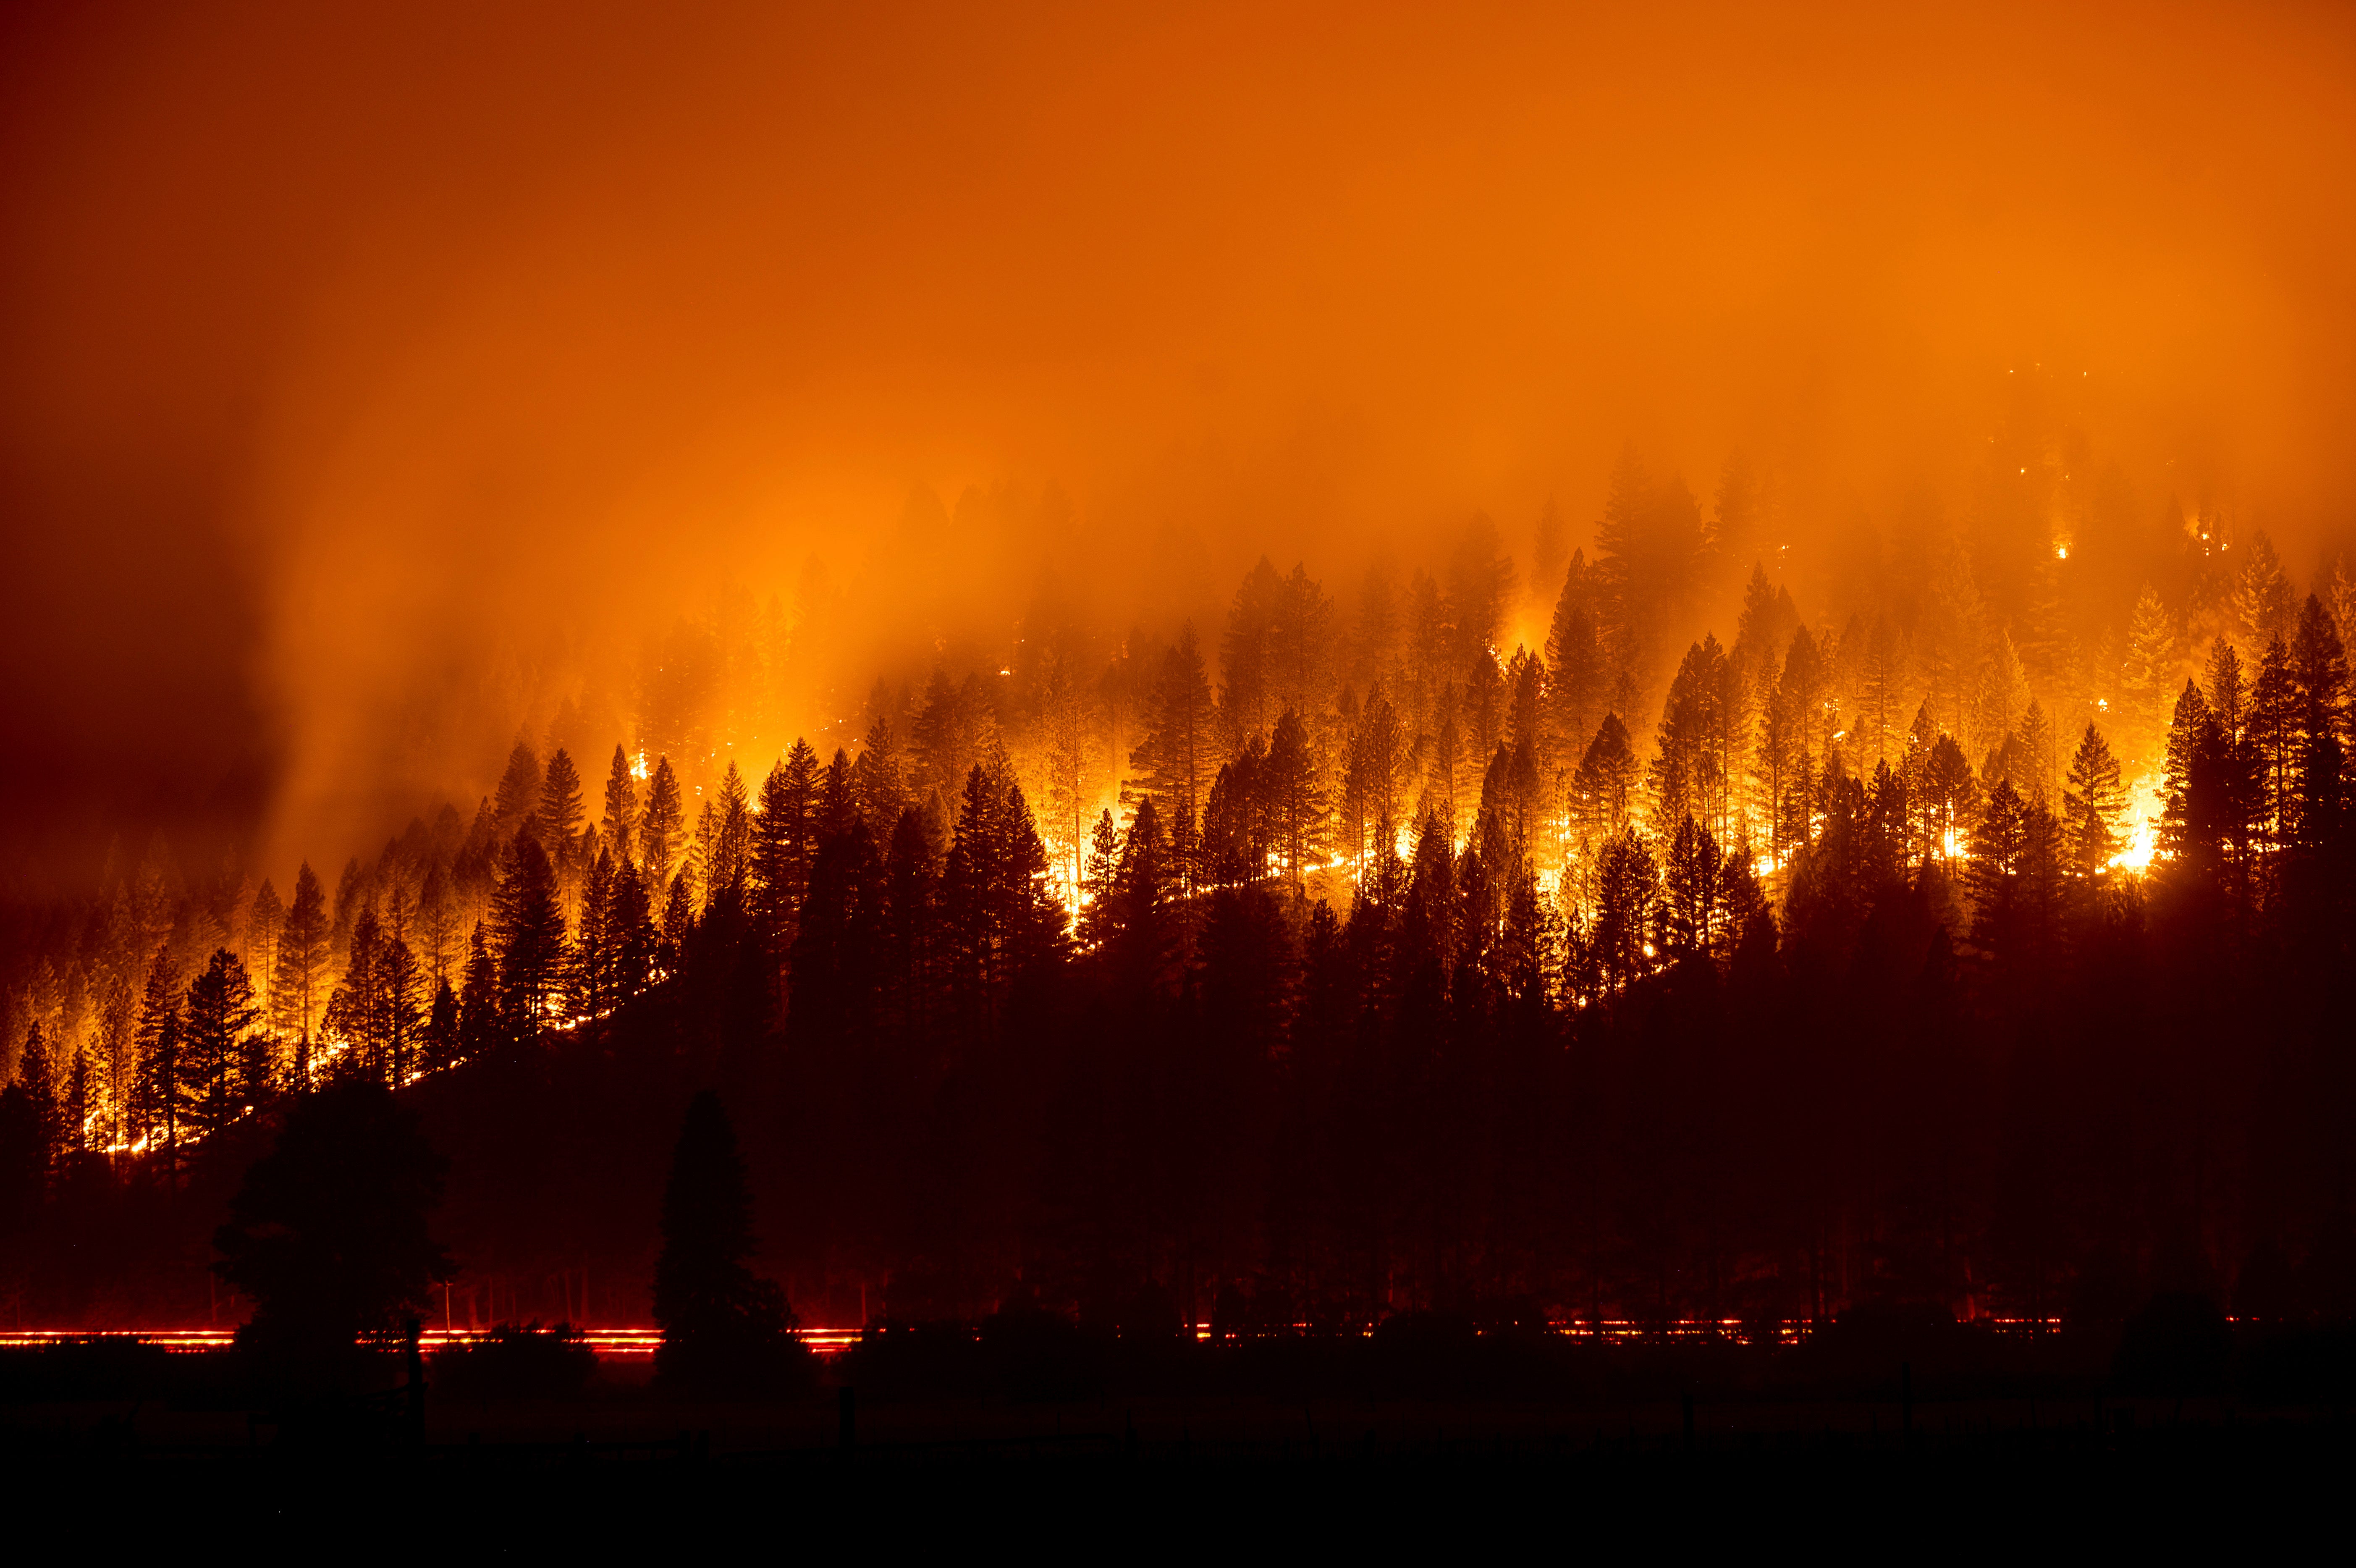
621, 825
1693, 874
876, 781
440, 930
2148, 674
1627, 890
302, 971
783, 847
1296, 801
663, 827
481, 1023
219, 1012
1603, 790
725, 1330
528, 932
560, 815
442, 1043
2276, 739
516, 805
155, 1106
2092, 805
1176, 761
2264, 602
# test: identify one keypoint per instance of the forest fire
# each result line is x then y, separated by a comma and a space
1081, 692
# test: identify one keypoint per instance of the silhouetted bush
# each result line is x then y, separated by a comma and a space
515, 1363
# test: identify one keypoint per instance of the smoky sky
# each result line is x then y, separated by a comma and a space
346, 350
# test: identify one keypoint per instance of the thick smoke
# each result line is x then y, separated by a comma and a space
377, 380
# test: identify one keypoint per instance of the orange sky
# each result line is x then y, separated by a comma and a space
329, 341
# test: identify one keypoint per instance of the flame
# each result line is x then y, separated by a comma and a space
2143, 831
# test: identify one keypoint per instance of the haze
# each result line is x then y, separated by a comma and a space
367, 372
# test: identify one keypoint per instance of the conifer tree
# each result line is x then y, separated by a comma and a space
1575, 665
439, 927
1103, 862
2276, 739
302, 971
877, 785
1691, 883
2319, 667
621, 825
2092, 805
515, 804
155, 1106
2148, 674
219, 1012
401, 983
31, 1134
560, 815
1688, 774
725, 1330
1296, 801
441, 1045
1882, 697
662, 829
2264, 602
1603, 790
528, 931
782, 851
481, 1023
1627, 890
1176, 761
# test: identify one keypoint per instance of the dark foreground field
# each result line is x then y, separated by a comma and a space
1284, 1445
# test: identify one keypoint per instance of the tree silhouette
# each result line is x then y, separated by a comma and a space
327, 1234
725, 1330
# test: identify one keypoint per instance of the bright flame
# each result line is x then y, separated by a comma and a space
2143, 831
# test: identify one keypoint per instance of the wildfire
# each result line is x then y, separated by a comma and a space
2143, 833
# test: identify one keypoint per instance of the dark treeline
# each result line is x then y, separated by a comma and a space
1383, 972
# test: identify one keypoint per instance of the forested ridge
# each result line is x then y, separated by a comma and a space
1985, 948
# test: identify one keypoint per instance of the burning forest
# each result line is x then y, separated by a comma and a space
1249, 677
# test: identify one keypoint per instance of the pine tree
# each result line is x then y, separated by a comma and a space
154, 1106
1176, 760
441, 1045
302, 971
2277, 740
32, 1134
1603, 790
1067, 752
1626, 893
662, 829
1688, 774
2319, 666
560, 814
481, 1022
517, 803
439, 927
219, 1012
1693, 874
2092, 805
401, 983
621, 825
725, 1330
2264, 602
2147, 676
1104, 861
1296, 802
1881, 696
877, 783
528, 931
